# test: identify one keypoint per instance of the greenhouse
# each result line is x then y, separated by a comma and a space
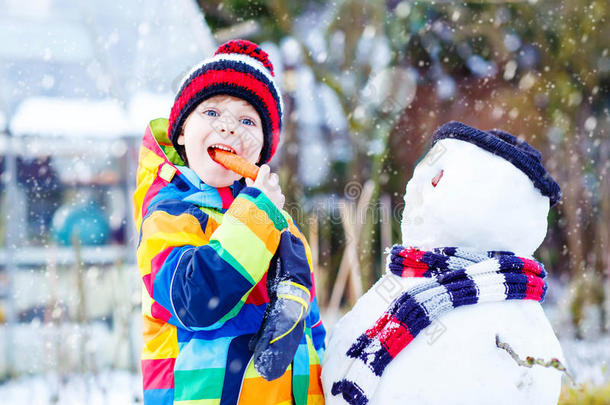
78, 85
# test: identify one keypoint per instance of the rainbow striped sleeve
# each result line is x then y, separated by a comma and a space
318, 333
200, 279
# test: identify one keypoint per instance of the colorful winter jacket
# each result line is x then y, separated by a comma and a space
203, 267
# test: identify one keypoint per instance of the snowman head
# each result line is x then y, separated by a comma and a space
480, 190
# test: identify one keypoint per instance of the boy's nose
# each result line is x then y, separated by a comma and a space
226, 124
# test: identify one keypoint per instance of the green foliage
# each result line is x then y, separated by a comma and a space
274, 16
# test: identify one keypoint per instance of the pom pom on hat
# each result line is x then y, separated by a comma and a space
521, 154
238, 68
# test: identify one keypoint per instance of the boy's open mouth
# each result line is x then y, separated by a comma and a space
213, 148
227, 157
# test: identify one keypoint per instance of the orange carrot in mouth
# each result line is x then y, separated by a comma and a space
235, 163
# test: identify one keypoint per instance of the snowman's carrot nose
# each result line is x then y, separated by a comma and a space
235, 163
437, 178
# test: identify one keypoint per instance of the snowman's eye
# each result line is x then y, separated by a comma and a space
437, 178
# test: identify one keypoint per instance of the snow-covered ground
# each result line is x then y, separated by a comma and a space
48, 357
588, 360
107, 387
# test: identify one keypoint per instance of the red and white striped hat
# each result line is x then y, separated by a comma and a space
241, 69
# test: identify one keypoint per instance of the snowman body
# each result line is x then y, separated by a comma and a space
461, 195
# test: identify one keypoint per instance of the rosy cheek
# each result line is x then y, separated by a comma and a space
252, 145
437, 178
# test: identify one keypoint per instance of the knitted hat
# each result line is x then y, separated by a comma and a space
238, 68
522, 155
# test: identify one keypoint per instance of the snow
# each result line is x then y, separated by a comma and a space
480, 67
41, 347
512, 42
68, 89
468, 217
588, 360
75, 48
275, 56
306, 99
291, 51
145, 106
374, 51
334, 117
445, 87
74, 117
458, 350
390, 90
314, 164
69, 117
481, 202
106, 387
316, 43
2, 121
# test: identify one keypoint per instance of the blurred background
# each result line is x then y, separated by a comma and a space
365, 83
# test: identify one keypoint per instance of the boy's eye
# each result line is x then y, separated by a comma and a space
211, 113
247, 121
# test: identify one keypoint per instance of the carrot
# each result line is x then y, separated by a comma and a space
235, 163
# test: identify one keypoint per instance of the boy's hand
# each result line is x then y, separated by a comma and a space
269, 184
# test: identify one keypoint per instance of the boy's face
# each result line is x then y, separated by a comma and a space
224, 121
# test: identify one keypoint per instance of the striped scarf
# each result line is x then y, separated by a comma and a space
453, 277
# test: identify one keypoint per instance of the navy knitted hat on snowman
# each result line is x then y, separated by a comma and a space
238, 68
521, 154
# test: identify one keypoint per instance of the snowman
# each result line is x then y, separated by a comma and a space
457, 315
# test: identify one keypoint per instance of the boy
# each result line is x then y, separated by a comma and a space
207, 244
